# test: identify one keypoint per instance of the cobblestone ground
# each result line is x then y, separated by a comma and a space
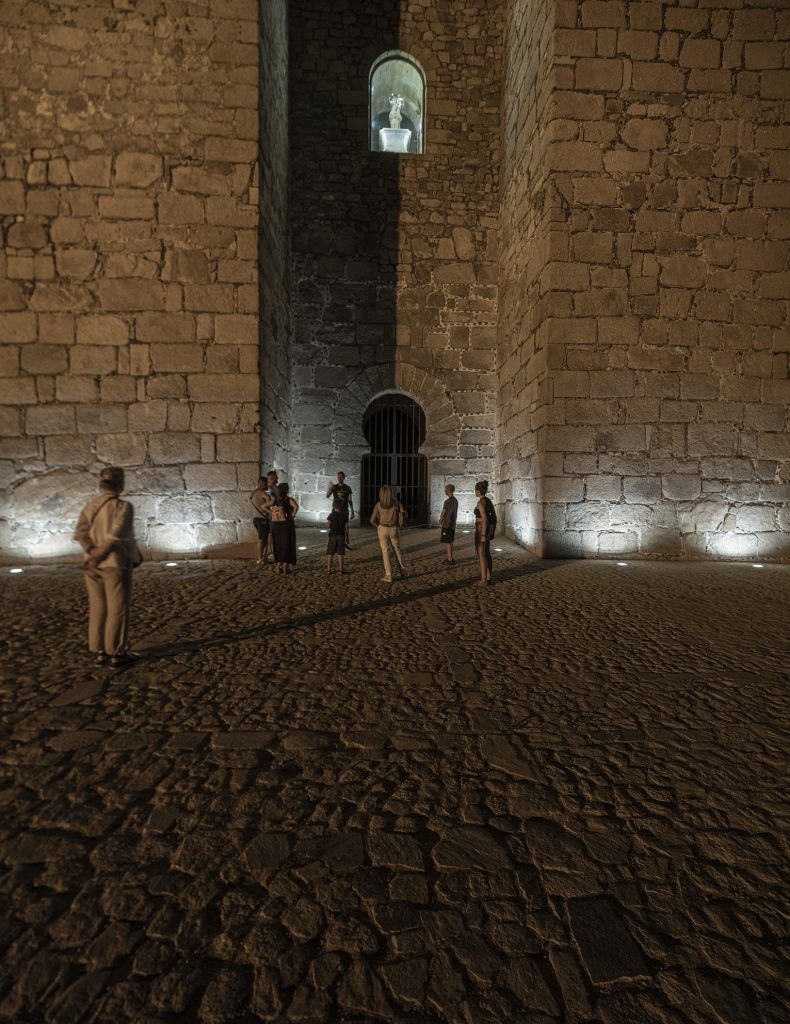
334, 800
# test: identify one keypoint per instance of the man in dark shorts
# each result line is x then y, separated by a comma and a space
341, 494
447, 521
266, 489
336, 544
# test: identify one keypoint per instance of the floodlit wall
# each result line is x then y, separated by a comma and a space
527, 244
129, 269
662, 306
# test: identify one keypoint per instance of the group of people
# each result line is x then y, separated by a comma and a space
276, 530
105, 531
274, 525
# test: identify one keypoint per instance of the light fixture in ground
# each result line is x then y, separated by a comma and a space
498, 549
322, 531
757, 565
170, 564
302, 548
15, 571
622, 563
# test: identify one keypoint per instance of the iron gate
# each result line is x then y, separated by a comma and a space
394, 426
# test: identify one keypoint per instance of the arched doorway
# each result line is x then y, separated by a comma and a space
394, 427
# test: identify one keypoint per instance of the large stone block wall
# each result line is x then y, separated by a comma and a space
666, 290
129, 267
526, 218
275, 267
394, 257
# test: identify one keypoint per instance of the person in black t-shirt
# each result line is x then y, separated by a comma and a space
485, 530
336, 545
341, 493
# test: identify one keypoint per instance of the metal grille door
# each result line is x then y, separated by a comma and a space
394, 426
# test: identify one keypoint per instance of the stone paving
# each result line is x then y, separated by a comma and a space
560, 798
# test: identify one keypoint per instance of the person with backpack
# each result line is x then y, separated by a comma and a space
283, 509
485, 530
105, 532
388, 517
336, 542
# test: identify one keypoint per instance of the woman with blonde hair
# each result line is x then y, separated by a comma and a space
388, 516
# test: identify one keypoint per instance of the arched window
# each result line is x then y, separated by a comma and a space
397, 104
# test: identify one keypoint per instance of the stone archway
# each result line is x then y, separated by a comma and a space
443, 424
394, 427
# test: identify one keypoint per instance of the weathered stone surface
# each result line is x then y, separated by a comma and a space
267, 851
253, 740
395, 851
608, 949
107, 231
500, 752
470, 848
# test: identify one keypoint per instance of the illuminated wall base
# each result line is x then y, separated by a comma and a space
599, 530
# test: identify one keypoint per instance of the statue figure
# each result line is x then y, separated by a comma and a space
396, 105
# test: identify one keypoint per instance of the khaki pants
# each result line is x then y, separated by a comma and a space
109, 601
389, 535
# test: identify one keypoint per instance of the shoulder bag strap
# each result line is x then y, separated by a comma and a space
98, 510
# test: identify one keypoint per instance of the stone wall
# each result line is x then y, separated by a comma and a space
583, 280
665, 291
128, 273
275, 269
394, 257
527, 212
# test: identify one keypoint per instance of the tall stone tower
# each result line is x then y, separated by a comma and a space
643, 315
394, 256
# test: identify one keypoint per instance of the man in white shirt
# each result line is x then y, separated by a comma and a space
105, 531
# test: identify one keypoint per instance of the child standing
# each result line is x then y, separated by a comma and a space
336, 545
447, 521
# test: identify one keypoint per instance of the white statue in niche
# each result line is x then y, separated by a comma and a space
396, 106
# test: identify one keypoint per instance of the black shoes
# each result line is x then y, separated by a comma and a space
120, 660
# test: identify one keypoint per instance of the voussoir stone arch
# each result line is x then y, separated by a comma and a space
443, 424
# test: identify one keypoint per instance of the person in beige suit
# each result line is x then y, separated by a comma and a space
105, 531
388, 515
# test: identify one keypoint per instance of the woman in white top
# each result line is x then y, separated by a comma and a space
105, 531
388, 516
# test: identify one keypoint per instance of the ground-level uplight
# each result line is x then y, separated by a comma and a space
622, 563
757, 565
497, 549
322, 531
464, 531
15, 571
302, 547
171, 564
